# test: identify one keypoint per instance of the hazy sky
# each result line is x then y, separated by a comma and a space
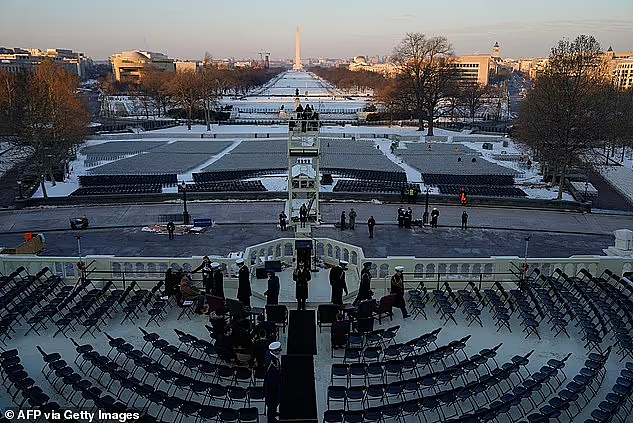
187, 29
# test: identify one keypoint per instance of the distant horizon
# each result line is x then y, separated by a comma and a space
329, 30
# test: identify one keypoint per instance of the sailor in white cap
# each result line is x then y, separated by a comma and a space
243, 283
364, 288
337, 281
272, 380
218, 280
397, 289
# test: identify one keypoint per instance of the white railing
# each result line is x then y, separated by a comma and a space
147, 270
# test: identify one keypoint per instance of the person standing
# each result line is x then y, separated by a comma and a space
435, 214
401, 216
282, 220
243, 283
170, 229
364, 288
352, 218
370, 225
408, 217
272, 292
464, 220
337, 281
303, 215
272, 380
343, 220
218, 280
207, 274
397, 289
301, 276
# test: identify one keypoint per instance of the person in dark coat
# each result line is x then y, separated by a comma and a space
272, 380
207, 274
364, 288
272, 293
170, 229
370, 225
282, 221
435, 214
343, 220
218, 280
408, 217
401, 216
397, 289
352, 218
303, 215
301, 276
337, 281
464, 220
244, 283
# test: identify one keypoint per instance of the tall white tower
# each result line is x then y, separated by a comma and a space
298, 66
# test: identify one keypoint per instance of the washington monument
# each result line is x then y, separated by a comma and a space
298, 66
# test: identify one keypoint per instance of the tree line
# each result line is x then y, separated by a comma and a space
43, 117
190, 91
427, 85
574, 114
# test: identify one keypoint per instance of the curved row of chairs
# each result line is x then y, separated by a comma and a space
119, 189
467, 180
346, 185
227, 186
170, 179
368, 175
487, 191
233, 175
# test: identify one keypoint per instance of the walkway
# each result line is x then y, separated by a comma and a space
298, 393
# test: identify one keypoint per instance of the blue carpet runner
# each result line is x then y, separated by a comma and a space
298, 392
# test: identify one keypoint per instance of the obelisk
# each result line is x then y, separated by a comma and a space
297, 66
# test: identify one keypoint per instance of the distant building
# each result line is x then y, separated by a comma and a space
473, 69
129, 66
620, 68
187, 66
18, 60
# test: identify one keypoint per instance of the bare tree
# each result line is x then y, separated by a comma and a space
46, 119
570, 108
426, 63
184, 88
154, 85
471, 97
210, 88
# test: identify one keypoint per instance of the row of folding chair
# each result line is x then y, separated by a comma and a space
588, 317
189, 395
617, 403
428, 397
568, 400
520, 397
86, 311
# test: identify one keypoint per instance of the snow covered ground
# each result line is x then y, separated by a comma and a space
528, 179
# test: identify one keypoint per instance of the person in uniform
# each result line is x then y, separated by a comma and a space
272, 293
343, 220
337, 281
408, 217
397, 289
218, 280
364, 288
301, 276
170, 229
435, 214
272, 380
464, 220
244, 283
207, 274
